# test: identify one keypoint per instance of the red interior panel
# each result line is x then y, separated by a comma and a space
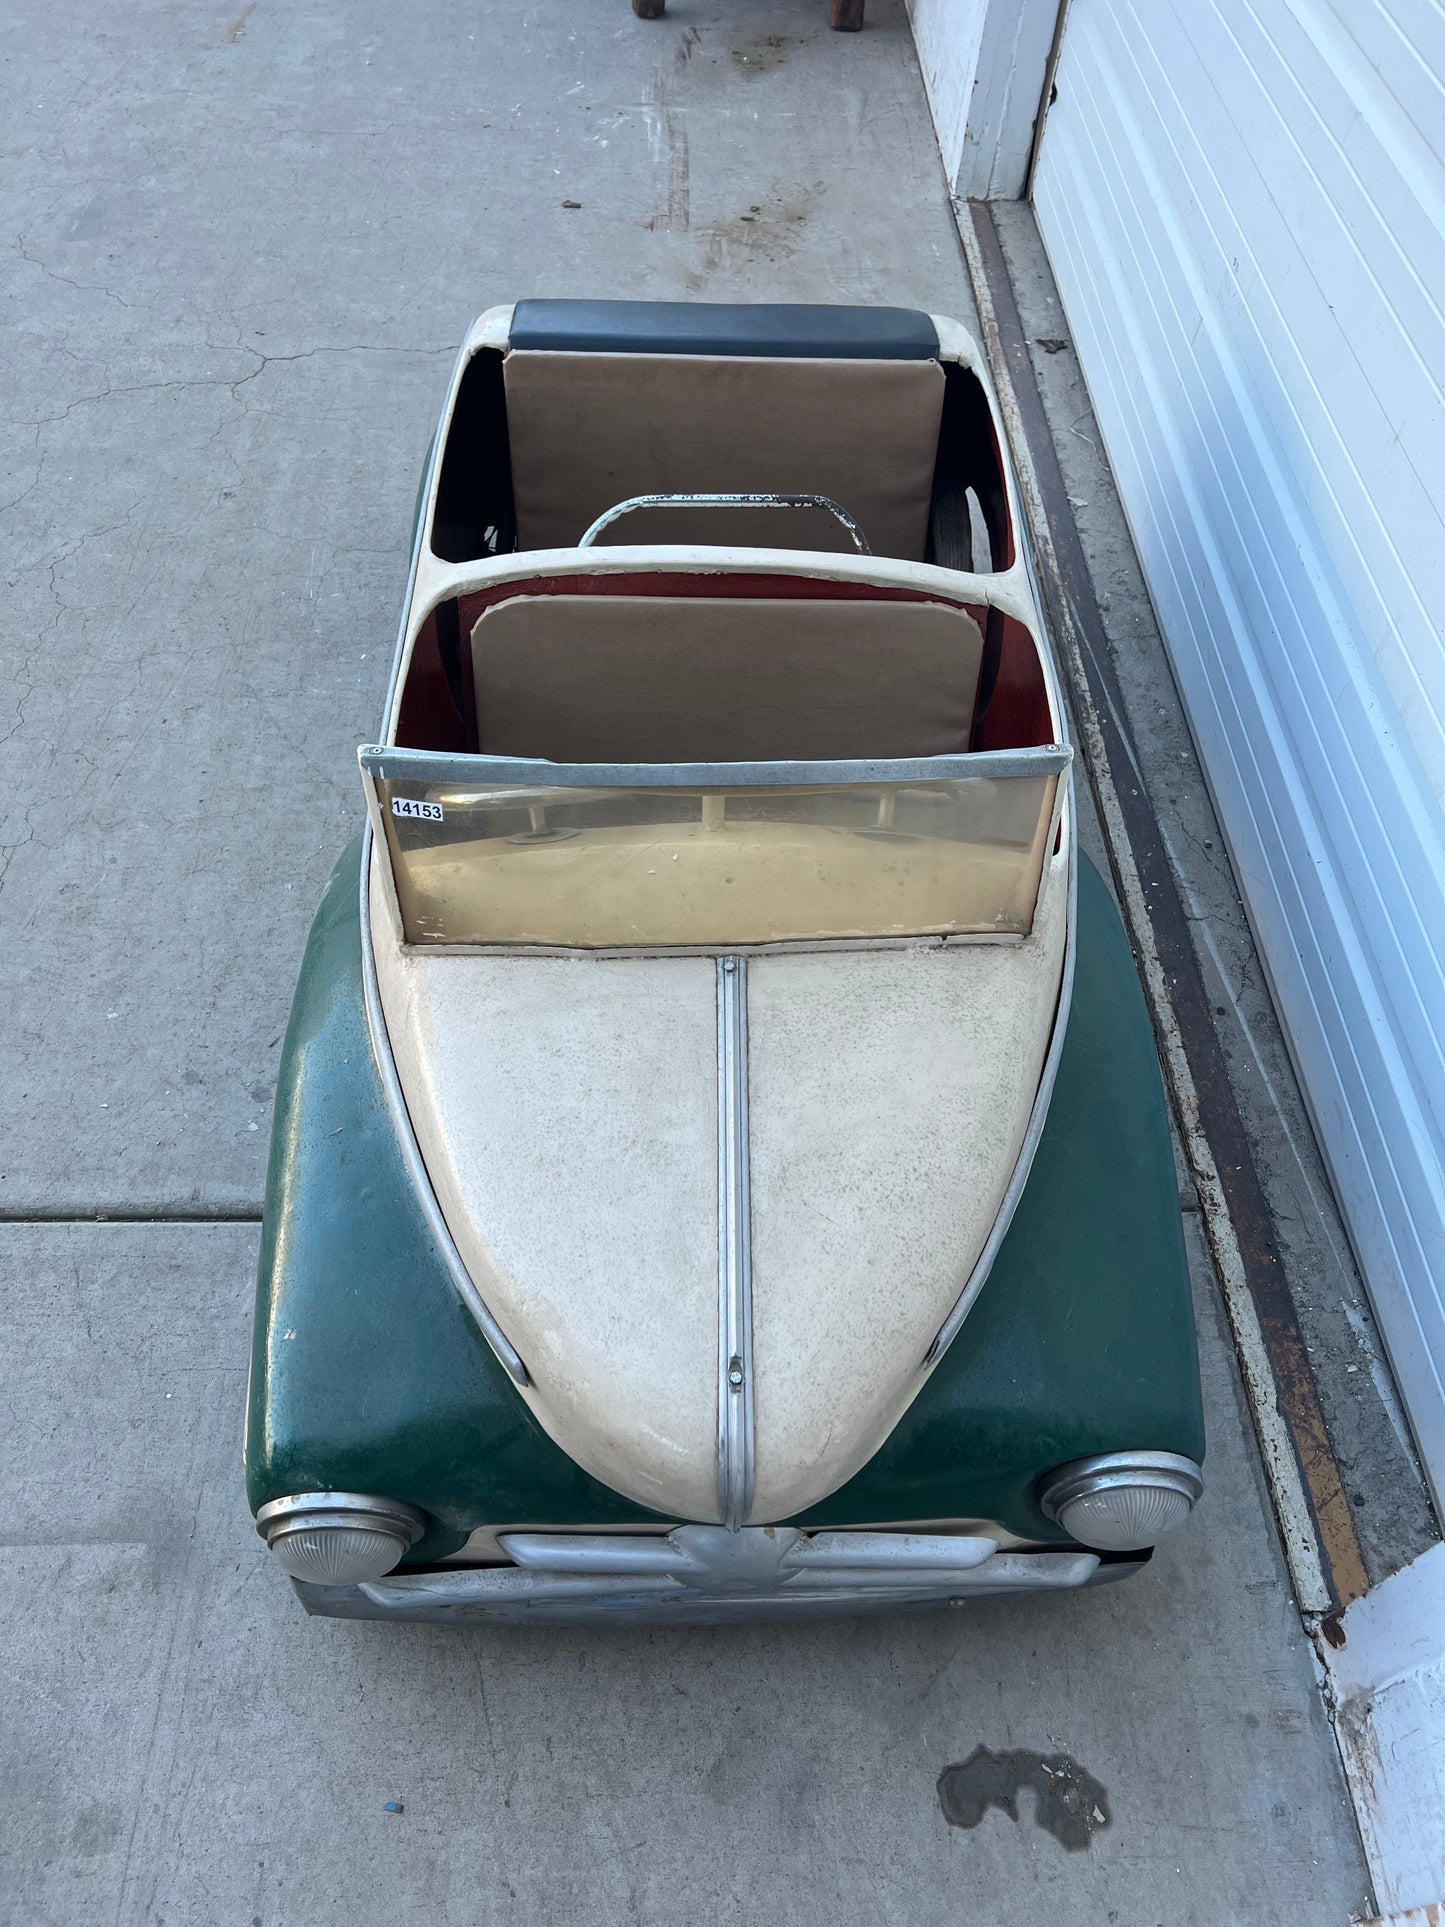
1016, 715
429, 718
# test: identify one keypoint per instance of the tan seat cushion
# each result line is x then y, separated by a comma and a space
630, 679
589, 431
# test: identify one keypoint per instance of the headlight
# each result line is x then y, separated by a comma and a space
1122, 1501
338, 1538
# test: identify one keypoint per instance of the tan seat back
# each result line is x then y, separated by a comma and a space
590, 430
631, 679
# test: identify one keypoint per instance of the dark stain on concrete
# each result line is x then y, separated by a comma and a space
1068, 1802
762, 53
764, 231
95, 1829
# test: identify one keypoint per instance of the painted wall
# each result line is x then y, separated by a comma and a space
983, 66
1388, 1685
1244, 204
948, 34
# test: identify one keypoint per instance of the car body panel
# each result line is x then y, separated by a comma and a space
369, 1374
1083, 1337
566, 1108
889, 1093
368, 1371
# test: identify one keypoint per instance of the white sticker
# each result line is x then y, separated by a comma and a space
404, 806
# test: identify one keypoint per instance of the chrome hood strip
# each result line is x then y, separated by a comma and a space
735, 1312
410, 1150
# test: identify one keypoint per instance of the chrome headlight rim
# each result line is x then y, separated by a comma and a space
393, 1525
1082, 1479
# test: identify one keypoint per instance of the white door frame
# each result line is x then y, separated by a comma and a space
985, 67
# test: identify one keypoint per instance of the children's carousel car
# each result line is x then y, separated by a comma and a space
720, 1166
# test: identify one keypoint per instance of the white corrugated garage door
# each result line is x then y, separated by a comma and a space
1244, 203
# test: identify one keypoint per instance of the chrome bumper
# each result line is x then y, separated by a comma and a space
707, 1576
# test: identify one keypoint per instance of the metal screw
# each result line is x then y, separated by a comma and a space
735, 1374
730, 963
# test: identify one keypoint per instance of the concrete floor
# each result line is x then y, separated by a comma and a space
242, 247
183, 1745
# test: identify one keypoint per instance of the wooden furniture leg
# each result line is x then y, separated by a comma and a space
649, 9
844, 16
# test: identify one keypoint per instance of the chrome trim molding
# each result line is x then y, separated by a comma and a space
707, 1575
735, 1427
782, 947
338, 1538
506, 772
1081, 1478
1038, 1116
751, 1557
1123, 1501
411, 1150
340, 1508
727, 501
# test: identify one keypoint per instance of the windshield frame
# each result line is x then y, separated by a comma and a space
497, 774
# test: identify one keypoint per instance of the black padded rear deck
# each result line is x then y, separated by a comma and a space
798, 330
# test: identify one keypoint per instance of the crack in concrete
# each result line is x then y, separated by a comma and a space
82, 287
263, 361
75, 1213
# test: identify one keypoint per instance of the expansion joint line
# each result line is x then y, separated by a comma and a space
735, 1300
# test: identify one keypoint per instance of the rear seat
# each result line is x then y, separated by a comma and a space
609, 400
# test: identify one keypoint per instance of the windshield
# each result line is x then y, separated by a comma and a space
492, 850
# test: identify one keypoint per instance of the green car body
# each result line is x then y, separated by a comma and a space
402, 1460
368, 1373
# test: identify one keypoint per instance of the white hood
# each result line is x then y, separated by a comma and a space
567, 1111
